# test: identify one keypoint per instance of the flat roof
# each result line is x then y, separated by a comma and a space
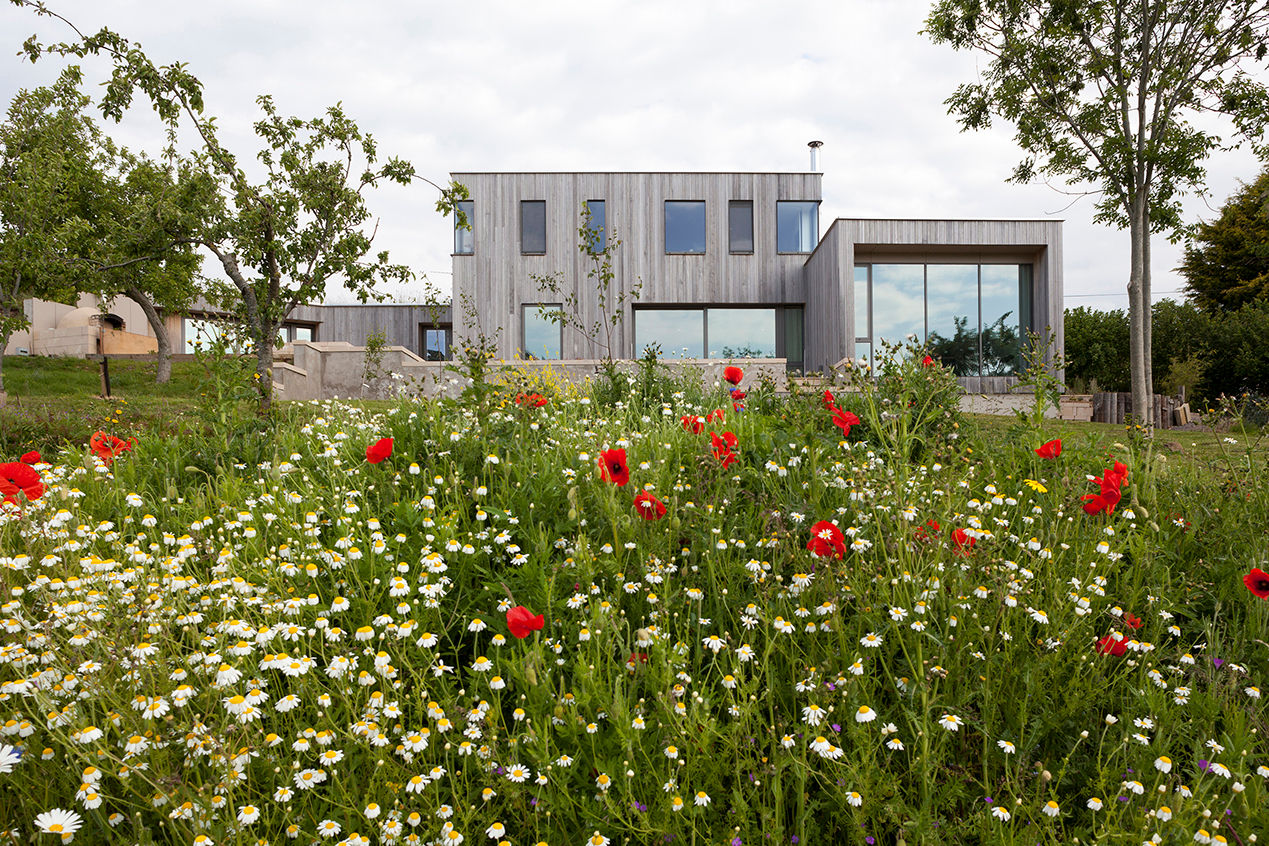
639, 172
961, 219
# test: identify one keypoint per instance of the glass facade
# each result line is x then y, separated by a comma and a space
685, 226
543, 337
533, 227
973, 317
740, 226
464, 238
598, 222
797, 226
722, 332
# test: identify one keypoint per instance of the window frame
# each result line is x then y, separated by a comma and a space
731, 244
468, 234
665, 228
816, 239
524, 325
782, 314
602, 243
523, 205
448, 333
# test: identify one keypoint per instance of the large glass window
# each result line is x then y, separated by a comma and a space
543, 337
741, 332
740, 226
863, 310
464, 228
596, 225
972, 316
797, 226
951, 298
533, 227
685, 226
680, 333
200, 334
722, 332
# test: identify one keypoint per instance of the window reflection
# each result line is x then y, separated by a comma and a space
685, 226
680, 333
543, 337
1003, 328
596, 226
742, 333
797, 226
951, 298
533, 227
898, 302
464, 236
740, 226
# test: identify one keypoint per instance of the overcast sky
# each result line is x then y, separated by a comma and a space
602, 85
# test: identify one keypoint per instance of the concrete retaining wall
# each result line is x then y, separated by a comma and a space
335, 369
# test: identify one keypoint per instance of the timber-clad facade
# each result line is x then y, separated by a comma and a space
733, 265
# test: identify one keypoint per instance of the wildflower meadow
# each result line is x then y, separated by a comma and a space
648, 611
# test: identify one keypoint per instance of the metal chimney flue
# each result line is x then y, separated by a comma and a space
815, 155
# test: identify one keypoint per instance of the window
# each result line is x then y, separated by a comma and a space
543, 337
464, 228
740, 226
597, 238
797, 226
533, 227
685, 226
722, 332
200, 333
435, 340
973, 316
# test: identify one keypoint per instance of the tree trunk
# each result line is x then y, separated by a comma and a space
1138, 311
264, 366
4, 342
164, 363
1147, 316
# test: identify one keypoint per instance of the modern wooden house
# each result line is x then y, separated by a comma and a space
733, 265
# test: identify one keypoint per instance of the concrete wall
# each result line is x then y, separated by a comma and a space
330, 369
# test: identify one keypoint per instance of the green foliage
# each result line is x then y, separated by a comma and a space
1237, 352
1226, 262
47, 147
1039, 377
1096, 348
1000, 342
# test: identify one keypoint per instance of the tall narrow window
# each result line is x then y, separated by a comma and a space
596, 237
533, 227
543, 336
685, 226
740, 226
797, 226
464, 228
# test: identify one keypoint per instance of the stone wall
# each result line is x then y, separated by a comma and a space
335, 369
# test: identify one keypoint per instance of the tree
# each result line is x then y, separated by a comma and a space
1105, 93
46, 179
280, 239
1226, 263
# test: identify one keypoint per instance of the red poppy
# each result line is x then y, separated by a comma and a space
31, 457
1112, 480
844, 420
1257, 581
928, 361
379, 450
18, 478
715, 415
733, 375
722, 447
927, 532
829, 400
1109, 646
827, 541
963, 541
521, 621
1131, 621
693, 423
534, 400
636, 658
1050, 450
648, 506
106, 447
612, 467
